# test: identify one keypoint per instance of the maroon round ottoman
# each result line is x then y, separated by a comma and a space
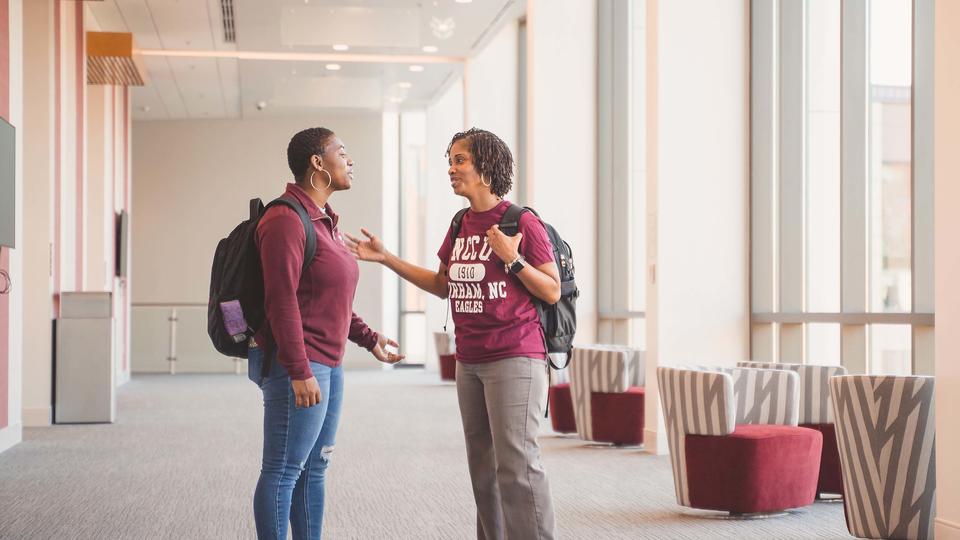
448, 367
757, 468
561, 409
831, 479
618, 417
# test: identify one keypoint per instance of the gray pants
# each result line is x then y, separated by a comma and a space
501, 404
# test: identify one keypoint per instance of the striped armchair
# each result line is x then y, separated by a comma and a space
734, 441
886, 435
816, 413
606, 385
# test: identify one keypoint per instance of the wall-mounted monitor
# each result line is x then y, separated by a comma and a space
8, 145
122, 231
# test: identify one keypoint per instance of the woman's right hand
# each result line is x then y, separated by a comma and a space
307, 392
367, 250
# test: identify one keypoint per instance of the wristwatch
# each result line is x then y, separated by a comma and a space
516, 266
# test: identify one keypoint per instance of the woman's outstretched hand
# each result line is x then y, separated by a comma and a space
370, 249
380, 352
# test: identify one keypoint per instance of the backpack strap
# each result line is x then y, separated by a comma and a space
455, 224
510, 222
310, 247
309, 250
256, 209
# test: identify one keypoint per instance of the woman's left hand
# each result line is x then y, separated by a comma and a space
506, 247
380, 352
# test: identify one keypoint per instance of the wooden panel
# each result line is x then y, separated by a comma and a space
110, 60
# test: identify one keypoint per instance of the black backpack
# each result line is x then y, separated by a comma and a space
559, 320
235, 311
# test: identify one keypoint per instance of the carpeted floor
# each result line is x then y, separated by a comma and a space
183, 459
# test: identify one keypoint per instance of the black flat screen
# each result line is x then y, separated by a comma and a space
7, 183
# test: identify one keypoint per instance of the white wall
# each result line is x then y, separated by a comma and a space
12, 433
192, 183
698, 189
562, 133
389, 234
947, 223
491, 79
444, 118
38, 212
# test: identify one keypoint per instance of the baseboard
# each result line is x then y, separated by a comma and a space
10, 436
945, 530
38, 417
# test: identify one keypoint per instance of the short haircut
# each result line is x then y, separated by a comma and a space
491, 158
302, 146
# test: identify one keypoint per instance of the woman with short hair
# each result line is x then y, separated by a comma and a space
492, 281
309, 320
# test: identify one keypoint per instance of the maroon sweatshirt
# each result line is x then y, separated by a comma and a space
309, 316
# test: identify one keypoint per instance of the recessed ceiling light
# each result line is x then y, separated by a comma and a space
145, 108
429, 48
396, 99
341, 47
416, 68
293, 71
463, 1
442, 29
404, 84
333, 67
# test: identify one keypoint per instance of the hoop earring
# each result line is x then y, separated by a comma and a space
485, 183
329, 179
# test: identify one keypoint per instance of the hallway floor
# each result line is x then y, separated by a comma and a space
183, 459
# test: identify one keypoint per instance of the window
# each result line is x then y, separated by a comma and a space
841, 255
413, 301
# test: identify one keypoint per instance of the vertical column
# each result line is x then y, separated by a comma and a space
655, 442
923, 200
98, 222
763, 189
79, 140
127, 201
946, 170
614, 169
11, 259
698, 182
562, 40
4, 251
854, 274
40, 166
792, 174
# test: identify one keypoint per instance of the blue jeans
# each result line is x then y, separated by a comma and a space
297, 444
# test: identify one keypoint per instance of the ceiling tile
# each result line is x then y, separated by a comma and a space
137, 18
184, 24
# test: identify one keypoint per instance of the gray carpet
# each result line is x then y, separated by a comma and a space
183, 459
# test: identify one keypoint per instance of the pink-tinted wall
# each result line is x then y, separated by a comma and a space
4, 252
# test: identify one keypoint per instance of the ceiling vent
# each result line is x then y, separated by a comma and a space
226, 9
110, 60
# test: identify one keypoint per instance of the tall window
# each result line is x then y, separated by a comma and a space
621, 283
841, 255
412, 199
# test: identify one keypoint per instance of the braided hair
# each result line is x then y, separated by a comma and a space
303, 145
491, 158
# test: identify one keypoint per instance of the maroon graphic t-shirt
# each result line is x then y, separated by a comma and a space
493, 312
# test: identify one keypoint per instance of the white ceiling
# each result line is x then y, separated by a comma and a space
203, 86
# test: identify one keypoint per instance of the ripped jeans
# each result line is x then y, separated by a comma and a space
297, 444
